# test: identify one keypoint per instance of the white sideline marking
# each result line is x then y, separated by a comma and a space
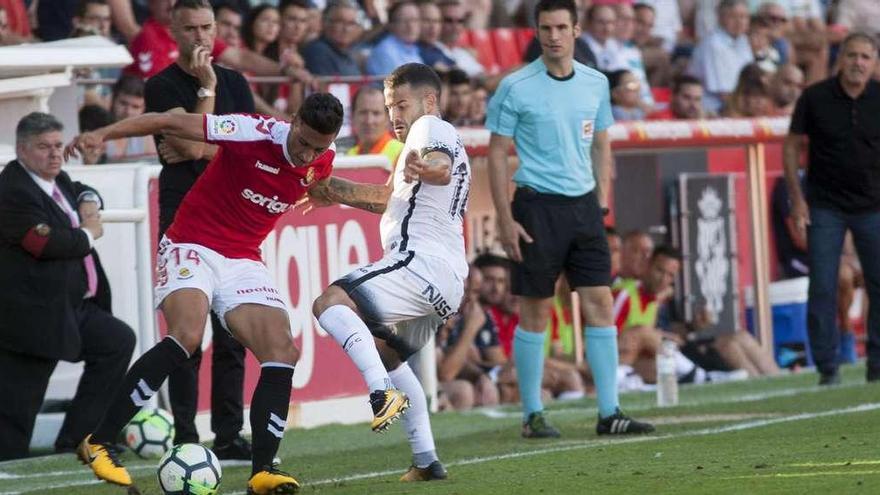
560, 447
495, 413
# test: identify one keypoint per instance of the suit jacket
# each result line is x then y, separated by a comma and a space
42, 275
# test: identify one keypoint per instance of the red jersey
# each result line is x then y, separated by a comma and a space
246, 188
153, 49
506, 324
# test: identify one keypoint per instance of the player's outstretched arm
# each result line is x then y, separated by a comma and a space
185, 125
334, 190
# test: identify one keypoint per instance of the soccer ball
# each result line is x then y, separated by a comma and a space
150, 433
189, 469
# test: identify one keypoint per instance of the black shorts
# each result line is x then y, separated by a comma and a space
568, 234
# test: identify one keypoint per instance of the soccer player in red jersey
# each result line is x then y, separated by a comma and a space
210, 258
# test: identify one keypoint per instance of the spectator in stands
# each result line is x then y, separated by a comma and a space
453, 16
193, 84
614, 249
750, 98
777, 18
229, 23
458, 100
93, 15
154, 48
785, 88
93, 117
398, 47
55, 299
686, 101
495, 296
809, 37
636, 303
625, 100
477, 110
765, 54
858, 16
14, 25
369, 122
429, 36
285, 51
837, 120
261, 28
718, 58
635, 255
128, 101
654, 55
667, 23
630, 56
471, 351
599, 27
331, 54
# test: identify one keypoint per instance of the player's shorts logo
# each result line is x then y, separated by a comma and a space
184, 273
224, 127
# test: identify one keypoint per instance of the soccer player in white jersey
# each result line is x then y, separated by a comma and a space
210, 259
403, 298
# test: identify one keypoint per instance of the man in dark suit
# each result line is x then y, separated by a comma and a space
54, 297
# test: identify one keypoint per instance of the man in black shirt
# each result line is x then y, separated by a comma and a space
193, 84
839, 116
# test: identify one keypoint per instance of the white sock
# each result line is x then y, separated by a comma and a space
357, 341
416, 419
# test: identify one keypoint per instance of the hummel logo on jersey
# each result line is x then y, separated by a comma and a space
267, 168
272, 204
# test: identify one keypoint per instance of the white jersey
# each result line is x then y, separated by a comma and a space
428, 219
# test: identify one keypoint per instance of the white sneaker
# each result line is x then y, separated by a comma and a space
728, 376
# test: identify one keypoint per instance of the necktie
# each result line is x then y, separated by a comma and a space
88, 261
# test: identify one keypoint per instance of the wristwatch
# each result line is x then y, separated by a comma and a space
205, 93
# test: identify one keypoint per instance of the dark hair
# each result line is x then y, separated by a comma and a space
334, 5
551, 5
395, 8
247, 28
366, 88
322, 112
487, 260
610, 231
93, 117
128, 85
192, 5
759, 21
456, 77
228, 5
683, 80
591, 12
667, 252
84, 4
303, 4
416, 75
860, 36
644, 6
34, 124
616, 78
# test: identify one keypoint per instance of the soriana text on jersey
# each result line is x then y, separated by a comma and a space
272, 204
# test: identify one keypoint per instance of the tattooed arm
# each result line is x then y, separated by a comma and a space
368, 197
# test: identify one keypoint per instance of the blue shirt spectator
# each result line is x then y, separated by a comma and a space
399, 46
332, 54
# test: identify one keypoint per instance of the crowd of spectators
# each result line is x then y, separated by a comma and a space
665, 59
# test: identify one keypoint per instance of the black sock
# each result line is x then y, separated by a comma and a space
269, 413
142, 380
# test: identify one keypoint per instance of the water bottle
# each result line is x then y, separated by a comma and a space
667, 381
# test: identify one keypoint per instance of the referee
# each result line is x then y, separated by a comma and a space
557, 111
839, 116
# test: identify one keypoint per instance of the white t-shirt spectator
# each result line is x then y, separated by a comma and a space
631, 59
717, 61
667, 21
860, 15
608, 55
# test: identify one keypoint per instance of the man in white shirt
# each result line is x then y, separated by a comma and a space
718, 59
600, 25
453, 17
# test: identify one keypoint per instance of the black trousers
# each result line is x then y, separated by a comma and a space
227, 384
107, 345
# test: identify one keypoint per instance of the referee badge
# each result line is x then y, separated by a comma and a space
586, 129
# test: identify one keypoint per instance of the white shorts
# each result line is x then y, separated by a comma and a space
404, 297
227, 282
